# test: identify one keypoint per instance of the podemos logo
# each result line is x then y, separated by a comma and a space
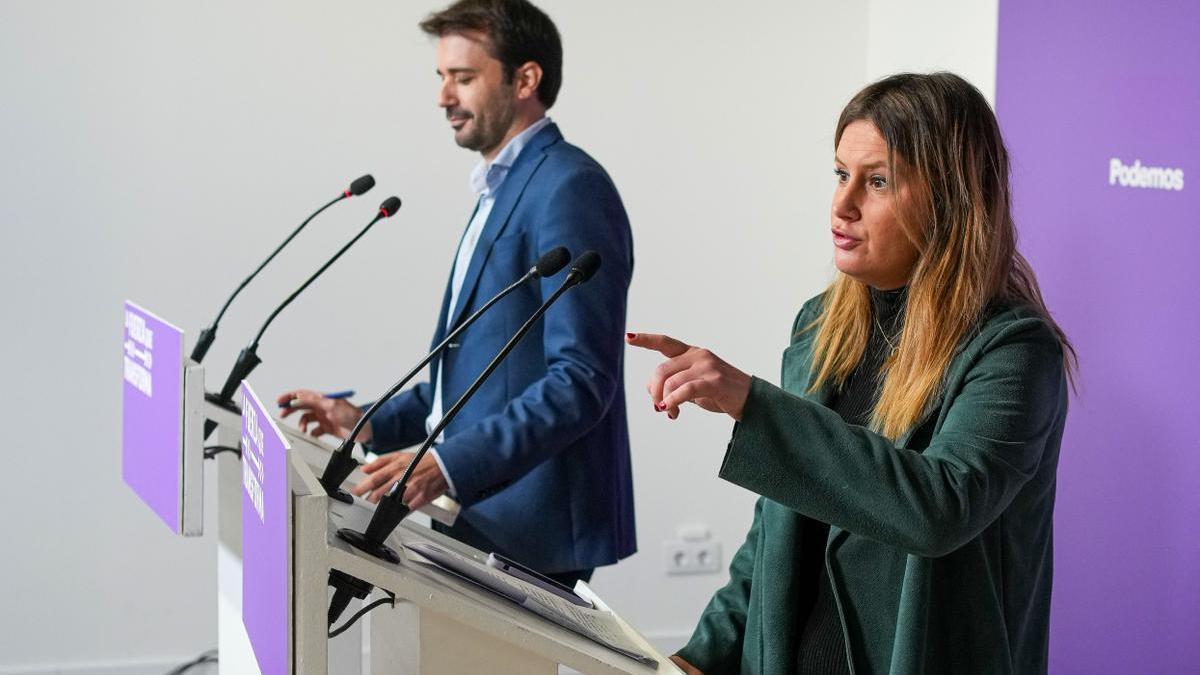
1136, 175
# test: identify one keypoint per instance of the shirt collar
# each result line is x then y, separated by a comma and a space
486, 178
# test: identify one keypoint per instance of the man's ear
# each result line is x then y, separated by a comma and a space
526, 80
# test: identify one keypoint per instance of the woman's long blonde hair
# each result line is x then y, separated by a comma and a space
954, 166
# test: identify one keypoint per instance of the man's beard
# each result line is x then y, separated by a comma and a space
488, 131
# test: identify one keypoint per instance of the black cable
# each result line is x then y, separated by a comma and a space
390, 600
209, 656
211, 451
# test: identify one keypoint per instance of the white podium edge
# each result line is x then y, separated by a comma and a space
191, 461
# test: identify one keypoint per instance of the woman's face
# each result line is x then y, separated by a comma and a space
869, 244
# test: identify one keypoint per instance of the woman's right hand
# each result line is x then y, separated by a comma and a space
686, 667
329, 415
692, 375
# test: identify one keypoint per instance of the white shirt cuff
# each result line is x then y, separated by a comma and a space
449, 482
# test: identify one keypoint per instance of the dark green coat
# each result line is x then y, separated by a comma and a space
940, 545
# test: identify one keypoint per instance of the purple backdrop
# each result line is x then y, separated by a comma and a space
1100, 105
266, 544
152, 413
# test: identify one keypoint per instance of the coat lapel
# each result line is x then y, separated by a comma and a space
798, 373
510, 193
439, 334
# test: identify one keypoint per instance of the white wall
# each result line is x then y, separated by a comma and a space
157, 151
929, 35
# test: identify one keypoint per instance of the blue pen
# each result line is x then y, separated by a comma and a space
335, 394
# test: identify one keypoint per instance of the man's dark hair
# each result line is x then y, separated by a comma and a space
518, 32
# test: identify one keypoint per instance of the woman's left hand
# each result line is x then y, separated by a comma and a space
692, 374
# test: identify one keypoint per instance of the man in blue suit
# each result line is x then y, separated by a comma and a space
539, 458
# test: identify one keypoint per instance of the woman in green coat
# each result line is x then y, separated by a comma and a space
907, 461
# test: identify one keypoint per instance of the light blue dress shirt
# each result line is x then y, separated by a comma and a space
486, 180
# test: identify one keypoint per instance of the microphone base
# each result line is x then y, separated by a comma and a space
203, 342
247, 361
378, 549
337, 470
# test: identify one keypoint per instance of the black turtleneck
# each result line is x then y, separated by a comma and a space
822, 644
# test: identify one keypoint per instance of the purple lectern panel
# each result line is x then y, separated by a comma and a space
1100, 105
152, 413
266, 544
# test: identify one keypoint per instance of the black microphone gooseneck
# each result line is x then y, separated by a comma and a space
341, 463
206, 337
247, 360
392, 509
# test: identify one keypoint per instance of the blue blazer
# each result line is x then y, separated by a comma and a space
539, 457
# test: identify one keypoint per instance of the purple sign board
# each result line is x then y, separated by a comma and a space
266, 539
1099, 103
152, 413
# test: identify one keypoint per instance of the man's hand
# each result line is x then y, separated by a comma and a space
692, 374
323, 415
425, 485
686, 667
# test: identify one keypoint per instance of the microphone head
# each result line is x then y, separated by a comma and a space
390, 206
585, 266
360, 186
551, 262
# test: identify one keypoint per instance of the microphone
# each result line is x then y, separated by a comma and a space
206, 337
341, 464
248, 359
391, 509
584, 268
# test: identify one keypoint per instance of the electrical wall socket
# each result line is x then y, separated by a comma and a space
692, 557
